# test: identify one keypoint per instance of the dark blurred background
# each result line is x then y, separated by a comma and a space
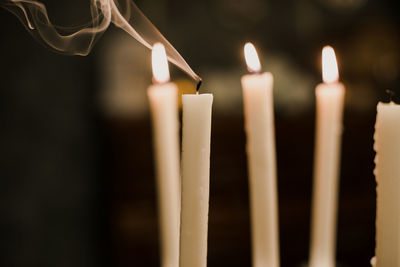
77, 184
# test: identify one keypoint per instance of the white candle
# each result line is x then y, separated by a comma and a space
196, 135
163, 97
260, 132
330, 98
387, 173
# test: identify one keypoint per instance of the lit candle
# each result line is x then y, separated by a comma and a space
330, 98
260, 132
387, 173
196, 134
163, 96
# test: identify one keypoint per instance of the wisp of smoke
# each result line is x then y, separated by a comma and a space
80, 40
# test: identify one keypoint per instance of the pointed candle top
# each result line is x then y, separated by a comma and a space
252, 60
159, 64
330, 73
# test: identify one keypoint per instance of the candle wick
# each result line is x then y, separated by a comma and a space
155, 82
254, 71
391, 94
198, 86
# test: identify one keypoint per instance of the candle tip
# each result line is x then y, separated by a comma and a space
198, 86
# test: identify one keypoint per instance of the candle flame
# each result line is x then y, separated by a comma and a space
252, 60
330, 72
159, 64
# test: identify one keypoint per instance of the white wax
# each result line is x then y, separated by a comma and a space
260, 131
329, 127
164, 109
196, 134
387, 173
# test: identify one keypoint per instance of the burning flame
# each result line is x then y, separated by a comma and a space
252, 61
330, 73
159, 64
80, 40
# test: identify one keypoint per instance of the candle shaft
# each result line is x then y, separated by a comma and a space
329, 111
259, 126
387, 173
196, 134
164, 110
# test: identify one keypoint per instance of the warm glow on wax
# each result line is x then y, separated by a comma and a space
330, 73
258, 103
159, 64
327, 154
252, 61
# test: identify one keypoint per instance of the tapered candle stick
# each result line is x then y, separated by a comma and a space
387, 173
196, 134
163, 96
260, 132
330, 98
